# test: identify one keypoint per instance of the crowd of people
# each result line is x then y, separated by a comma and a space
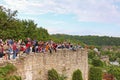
13, 48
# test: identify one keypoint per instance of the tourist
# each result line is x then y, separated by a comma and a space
1, 51
14, 49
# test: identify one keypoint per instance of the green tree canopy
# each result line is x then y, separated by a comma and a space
95, 73
11, 27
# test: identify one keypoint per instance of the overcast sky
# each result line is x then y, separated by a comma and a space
76, 17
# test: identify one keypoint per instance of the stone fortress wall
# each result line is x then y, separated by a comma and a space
36, 66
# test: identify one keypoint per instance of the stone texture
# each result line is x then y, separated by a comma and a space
36, 66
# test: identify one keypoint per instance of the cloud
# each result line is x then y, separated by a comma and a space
85, 10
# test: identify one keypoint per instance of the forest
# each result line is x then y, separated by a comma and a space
89, 40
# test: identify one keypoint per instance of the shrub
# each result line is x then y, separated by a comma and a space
91, 54
112, 57
115, 70
62, 77
9, 68
97, 63
5, 72
118, 54
95, 73
118, 60
53, 75
77, 75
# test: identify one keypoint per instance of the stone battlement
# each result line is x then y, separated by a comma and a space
36, 66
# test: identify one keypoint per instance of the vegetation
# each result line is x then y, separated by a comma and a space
7, 71
115, 70
11, 27
92, 54
13, 78
95, 73
97, 63
94, 59
53, 75
113, 55
89, 40
62, 77
77, 75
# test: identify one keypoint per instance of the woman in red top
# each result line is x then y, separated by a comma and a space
28, 47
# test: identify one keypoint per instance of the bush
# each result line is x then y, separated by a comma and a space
118, 60
112, 57
5, 72
9, 68
115, 70
95, 73
62, 77
53, 75
106, 52
97, 63
91, 54
118, 54
77, 75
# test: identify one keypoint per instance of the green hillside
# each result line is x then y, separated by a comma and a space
89, 40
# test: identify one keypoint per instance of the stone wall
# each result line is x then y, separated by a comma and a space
36, 66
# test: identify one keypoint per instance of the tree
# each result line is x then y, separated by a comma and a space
95, 73
90, 40
97, 63
11, 27
53, 75
77, 75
